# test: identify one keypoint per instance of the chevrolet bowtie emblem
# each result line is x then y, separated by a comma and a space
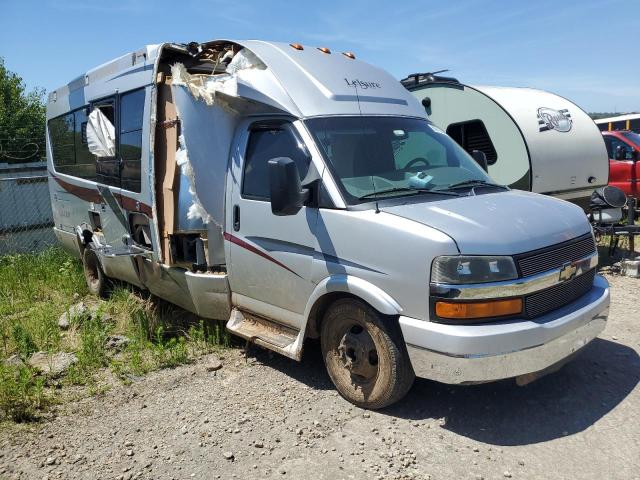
568, 271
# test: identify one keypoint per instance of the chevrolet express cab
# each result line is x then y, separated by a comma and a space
296, 192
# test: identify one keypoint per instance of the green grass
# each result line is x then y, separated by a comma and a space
35, 289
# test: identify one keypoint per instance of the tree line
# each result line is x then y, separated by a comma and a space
22, 119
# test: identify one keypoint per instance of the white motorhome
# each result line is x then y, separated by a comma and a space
299, 193
533, 140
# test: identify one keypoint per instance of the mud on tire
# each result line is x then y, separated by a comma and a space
365, 354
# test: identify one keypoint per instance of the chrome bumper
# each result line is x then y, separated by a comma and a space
480, 353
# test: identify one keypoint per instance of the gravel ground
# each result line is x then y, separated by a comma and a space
270, 417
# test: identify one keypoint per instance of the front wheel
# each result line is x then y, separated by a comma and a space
365, 355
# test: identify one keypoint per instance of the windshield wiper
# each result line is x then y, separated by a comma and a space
407, 189
475, 183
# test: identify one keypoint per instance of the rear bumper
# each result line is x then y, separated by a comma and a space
481, 353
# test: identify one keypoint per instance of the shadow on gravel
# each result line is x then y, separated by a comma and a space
562, 403
501, 413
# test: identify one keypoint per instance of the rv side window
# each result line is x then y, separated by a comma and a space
101, 136
69, 145
264, 145
61, 136
473, 135
85, 160
131, 119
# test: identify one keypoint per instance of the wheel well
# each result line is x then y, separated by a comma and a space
320, 307
86, 238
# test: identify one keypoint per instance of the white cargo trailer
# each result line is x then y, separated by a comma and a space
298, 193
533, 140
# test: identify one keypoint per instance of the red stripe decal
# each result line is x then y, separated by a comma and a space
91, 195
86, 194
251, 248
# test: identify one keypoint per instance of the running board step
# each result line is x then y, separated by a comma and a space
264, 332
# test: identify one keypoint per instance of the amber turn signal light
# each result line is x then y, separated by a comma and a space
349, 55
297, 46
324, 49
487, 309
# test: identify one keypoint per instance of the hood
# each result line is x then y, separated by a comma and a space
504, 223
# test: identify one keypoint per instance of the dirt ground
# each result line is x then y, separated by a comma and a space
270, 417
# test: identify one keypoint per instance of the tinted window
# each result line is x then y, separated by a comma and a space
264, 145
473, 135
607, 142
131, 111
626, 150
61, 136
131, 119
85, 160
108, 168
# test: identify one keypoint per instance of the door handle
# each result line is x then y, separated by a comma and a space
236, 218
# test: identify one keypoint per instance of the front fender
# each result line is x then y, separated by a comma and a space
373, 295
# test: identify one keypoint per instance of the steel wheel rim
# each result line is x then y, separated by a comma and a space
355, 354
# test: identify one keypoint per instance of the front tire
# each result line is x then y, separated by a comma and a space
97, 281
365, 355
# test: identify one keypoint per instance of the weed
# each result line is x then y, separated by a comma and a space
22, 393
169, 353
22, 339
92, 354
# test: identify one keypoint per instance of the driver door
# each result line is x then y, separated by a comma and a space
271, 256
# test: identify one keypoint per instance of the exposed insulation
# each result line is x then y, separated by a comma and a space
208, 123
196, 210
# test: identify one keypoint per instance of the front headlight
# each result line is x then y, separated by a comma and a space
464, 269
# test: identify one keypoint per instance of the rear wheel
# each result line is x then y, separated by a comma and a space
97, 281
365, 355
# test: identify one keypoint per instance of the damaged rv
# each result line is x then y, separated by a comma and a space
295, 192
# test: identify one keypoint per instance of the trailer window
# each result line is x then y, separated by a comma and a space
131, 119
473, 135
264, 145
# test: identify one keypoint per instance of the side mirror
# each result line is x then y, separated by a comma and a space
287, 194
481, 159
634, 155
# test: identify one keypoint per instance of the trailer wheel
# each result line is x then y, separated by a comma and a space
97, 281
365, 355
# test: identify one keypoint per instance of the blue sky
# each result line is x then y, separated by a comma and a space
584, 50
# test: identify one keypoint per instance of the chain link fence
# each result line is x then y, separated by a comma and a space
26, 221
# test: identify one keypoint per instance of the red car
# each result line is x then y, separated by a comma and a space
623, 147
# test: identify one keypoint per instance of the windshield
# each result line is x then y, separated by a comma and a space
382, 157
633, 136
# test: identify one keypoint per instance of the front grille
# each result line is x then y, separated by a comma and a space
556, 256
557, 296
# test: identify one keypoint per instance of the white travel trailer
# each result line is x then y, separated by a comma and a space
298, 193
533, 140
